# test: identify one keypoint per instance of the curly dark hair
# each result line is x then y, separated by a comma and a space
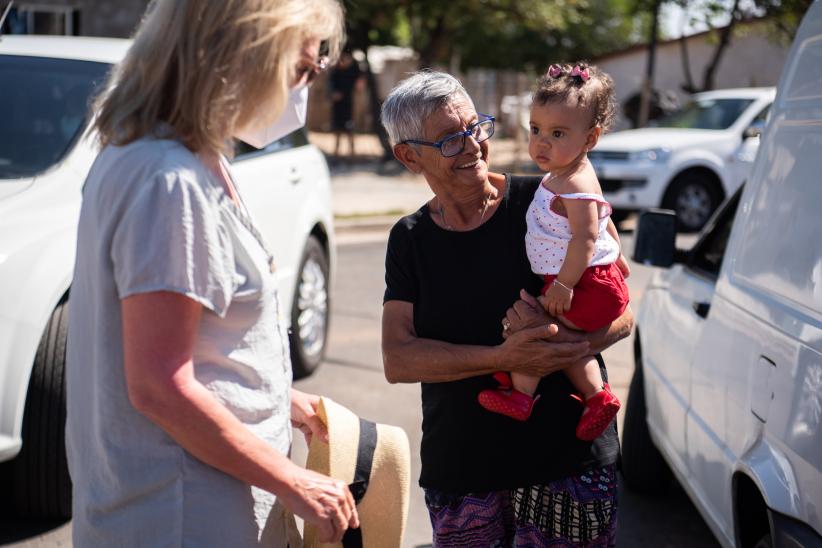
559, 84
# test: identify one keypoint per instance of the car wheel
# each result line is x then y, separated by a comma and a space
310, 311
694, 197
41, 486
643, 468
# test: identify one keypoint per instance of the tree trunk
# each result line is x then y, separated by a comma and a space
648, 83
688, 86
436, 41
724, 40
376, 108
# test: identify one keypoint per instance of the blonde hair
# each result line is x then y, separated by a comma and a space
207, 67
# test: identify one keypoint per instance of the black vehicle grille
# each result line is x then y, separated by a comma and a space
613, 185
608, 155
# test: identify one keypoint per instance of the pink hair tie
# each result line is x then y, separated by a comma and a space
583, 74
555, 71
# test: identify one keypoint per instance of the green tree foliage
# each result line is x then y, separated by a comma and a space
515, 34
512, 34
782, 16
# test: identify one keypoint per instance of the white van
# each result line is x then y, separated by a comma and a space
727, 391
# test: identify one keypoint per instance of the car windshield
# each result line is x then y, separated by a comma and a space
42, 110
706, 114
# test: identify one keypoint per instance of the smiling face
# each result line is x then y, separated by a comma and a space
469, 168
560, 133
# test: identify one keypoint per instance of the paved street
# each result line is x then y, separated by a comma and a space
352, 373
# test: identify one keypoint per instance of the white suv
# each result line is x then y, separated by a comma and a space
727, 391
44, 158
690, 162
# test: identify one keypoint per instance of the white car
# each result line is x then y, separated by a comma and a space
689, 162
727, 390
45, 154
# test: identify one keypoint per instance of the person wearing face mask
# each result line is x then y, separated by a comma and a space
180, 404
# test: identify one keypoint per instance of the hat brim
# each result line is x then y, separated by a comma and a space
383, 509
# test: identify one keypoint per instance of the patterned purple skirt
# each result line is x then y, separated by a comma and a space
575, 511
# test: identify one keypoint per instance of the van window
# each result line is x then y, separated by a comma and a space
296, 138
706, 256
780, 251
806, 76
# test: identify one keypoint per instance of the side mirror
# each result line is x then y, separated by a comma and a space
753, 130
655, 238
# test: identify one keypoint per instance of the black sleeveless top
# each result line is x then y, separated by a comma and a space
461, 284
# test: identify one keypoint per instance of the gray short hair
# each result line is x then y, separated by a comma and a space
415, 99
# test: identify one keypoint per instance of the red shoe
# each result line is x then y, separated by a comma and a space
511, 403
600, 410
504, 379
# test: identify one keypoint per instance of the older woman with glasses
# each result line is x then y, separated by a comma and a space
454, 270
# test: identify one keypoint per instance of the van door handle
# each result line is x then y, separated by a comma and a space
702, 309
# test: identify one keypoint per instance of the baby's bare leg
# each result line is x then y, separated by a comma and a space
525, 383
585, 375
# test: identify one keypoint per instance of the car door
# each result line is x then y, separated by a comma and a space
668, 343
275, 183
705, 420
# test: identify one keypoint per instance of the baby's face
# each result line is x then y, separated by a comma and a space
560, 133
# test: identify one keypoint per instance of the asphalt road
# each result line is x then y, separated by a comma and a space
352, 375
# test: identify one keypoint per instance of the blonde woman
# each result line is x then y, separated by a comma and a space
180, 404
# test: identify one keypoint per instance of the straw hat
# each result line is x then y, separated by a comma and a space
377, 453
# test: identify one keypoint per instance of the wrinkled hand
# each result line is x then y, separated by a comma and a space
624, 267
525, 313
535, 344
557, 300
324, 502
304, 416
532, 351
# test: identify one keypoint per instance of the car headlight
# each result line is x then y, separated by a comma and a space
651, 155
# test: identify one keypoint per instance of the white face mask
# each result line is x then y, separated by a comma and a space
292, 118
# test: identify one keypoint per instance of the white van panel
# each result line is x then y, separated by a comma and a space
768, 302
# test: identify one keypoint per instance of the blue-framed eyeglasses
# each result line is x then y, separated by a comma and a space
455, 143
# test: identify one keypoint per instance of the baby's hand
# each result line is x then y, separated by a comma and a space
557, 300
622, 264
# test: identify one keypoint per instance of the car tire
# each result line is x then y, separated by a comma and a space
643, 467
41, 485
694, 196
310, 310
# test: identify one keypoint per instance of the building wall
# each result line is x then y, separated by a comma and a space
751, 60
113, 19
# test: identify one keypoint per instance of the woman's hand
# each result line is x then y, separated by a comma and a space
557, 300
533, 351
525, 313
324, 502
304, 416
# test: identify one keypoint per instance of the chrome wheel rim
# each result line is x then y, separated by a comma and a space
312, 305
694, 205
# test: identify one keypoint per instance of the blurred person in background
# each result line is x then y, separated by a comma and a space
180, 404
343, 80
